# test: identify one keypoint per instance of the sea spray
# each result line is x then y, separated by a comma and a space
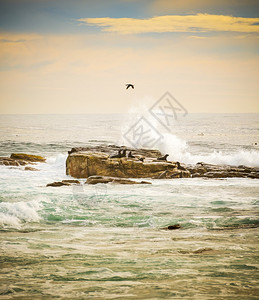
179, 150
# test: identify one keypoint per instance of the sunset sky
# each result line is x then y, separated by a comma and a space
63, 56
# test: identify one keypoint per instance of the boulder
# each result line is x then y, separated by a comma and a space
106, 179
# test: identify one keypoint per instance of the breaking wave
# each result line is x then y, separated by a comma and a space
13, 214
178, 150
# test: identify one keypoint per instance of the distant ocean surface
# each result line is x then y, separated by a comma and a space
105, 241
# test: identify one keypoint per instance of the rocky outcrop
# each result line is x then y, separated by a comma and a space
106, 179
220, 171
27, 157
96, 161
85, 164
21, 159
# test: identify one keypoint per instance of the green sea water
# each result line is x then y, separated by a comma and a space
106, 241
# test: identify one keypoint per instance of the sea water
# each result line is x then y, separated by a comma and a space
106, 241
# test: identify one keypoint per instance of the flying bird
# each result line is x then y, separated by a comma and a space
128, 85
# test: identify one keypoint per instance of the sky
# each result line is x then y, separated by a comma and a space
62, 56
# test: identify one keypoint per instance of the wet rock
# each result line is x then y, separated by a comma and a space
67, 182
7, 161
194, 175
107, 179
254, 175
30, 169
71, 181
27, 157
222, 171
57, 183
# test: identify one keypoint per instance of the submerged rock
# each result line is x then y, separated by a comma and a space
30, 169
67, 182
106, 179
172, 227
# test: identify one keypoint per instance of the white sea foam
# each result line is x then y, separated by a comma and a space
178, 150
12, 214
57, 161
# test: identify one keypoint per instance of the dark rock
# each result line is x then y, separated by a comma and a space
58, 183
172, 227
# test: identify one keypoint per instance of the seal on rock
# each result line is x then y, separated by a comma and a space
123, 153
179, 167
119, 155
130, 155
163, 157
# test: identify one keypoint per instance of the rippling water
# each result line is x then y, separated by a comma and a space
105, 241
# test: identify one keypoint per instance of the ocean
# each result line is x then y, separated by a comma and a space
105, 241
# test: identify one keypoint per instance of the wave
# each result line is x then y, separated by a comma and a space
13, 214
178, 150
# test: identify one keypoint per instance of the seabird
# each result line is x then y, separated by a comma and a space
117, 156
128, 85
130, 155
163, 157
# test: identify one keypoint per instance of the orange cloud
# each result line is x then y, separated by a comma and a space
176, 23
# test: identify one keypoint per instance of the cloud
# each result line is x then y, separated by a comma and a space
176, 23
